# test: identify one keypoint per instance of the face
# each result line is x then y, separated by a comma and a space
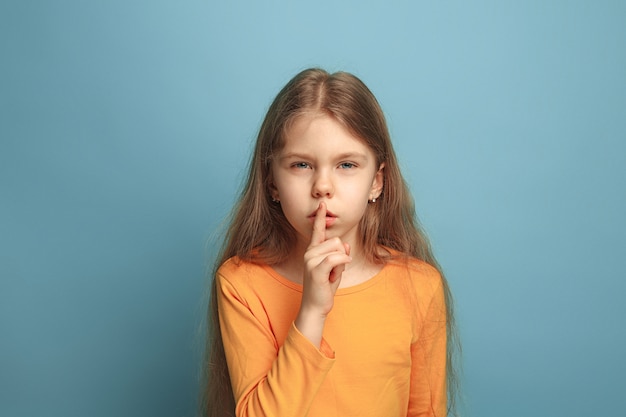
322, 161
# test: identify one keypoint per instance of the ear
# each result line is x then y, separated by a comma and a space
377, 184
273, 190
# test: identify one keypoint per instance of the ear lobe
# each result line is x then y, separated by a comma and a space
273, 192
271, 188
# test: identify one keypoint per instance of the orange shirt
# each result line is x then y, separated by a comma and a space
383, 351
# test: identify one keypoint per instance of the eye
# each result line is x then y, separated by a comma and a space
347, 165
300, 165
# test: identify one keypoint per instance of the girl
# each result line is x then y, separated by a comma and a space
327, 300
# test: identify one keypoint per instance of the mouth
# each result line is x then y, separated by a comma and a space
329, 215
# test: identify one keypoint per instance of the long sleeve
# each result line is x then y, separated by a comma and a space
389, 335
428, 359
267, 379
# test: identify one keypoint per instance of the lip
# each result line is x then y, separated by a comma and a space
328, 214
330, 217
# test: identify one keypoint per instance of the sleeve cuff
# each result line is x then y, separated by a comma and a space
325, 351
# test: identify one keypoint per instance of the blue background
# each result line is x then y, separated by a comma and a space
125, 127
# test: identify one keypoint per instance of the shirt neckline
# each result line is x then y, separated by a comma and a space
341, 291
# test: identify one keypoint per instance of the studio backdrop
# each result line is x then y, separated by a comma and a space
126, 127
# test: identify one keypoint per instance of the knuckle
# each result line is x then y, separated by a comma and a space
337, 242
330, 260
309, 263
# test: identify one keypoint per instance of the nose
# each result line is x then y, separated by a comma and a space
322, 185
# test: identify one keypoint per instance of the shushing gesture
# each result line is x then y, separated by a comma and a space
324, 262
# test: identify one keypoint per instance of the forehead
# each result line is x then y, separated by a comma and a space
318, 130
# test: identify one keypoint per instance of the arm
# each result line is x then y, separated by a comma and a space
267, 380
428, 353
324, 263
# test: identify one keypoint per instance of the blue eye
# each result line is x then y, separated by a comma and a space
301, 165
347, 165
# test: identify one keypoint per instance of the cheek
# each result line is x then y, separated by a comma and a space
288, 191
359, 192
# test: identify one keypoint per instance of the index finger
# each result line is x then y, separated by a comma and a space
319, 226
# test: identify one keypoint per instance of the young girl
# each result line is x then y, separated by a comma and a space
327, 300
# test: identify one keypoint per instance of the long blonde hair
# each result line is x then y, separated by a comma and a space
259, 232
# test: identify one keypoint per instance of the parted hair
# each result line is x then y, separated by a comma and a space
259, 232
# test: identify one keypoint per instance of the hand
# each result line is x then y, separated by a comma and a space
324, 262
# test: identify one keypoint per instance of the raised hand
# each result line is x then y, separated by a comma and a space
324, 262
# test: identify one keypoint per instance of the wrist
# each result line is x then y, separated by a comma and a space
311, 325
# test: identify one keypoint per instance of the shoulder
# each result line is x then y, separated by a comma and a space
415, 268
422, 276
236, 265
425, 288
252, 284
237, 271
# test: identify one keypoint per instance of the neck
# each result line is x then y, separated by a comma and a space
359, 270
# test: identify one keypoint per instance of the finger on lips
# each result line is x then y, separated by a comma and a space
328, 250
319, 225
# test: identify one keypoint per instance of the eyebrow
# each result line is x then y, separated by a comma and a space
347, 155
